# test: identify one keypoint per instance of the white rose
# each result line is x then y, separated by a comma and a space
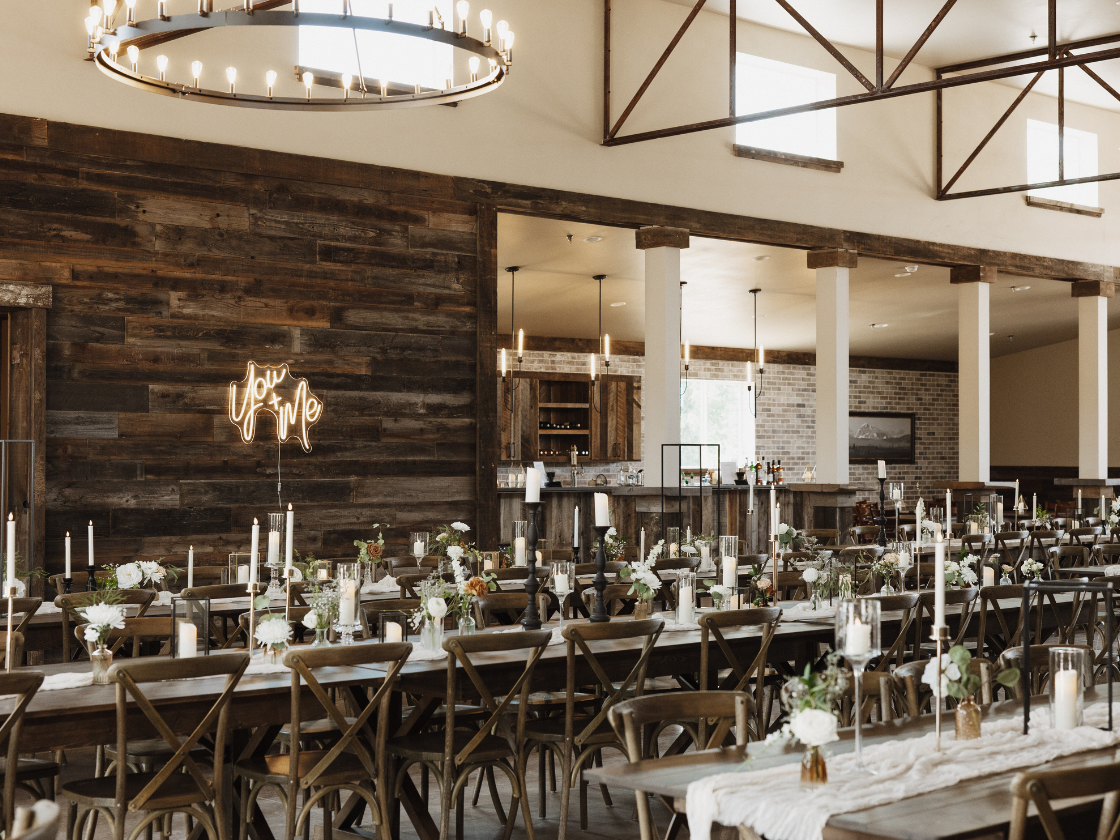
294, 575
814, 727
129, 576
783, 528
311, 620
437, 607
460, 526
611, 532
810, 575
949, 672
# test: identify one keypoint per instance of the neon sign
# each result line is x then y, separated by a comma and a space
274, 389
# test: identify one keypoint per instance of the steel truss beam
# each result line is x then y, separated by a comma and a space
1053, 57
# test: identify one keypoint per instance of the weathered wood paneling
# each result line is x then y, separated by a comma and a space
168, 277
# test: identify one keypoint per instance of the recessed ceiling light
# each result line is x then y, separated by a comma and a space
903, 274
592, 239
879, 326
763, 257
619, 303
992, 333
1019, 288
907, 270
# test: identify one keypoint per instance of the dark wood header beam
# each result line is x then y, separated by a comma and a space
1092, 288
832, 258
959, 274
660, 237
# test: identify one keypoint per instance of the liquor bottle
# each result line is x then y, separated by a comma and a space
781, 474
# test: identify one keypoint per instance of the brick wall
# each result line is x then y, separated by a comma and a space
785, 427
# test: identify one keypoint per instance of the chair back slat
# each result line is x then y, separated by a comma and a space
1042, 787
23, 684
24, 607
711, 627
72, 603
1010, 622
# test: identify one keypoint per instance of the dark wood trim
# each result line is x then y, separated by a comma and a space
488, 432
960, 274
832, 258
660, 237
1063, 206
788, 158
537, 201
1092, 288
548, 344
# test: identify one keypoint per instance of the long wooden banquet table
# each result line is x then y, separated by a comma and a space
85, 717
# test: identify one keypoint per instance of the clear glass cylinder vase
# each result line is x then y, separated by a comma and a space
431, 636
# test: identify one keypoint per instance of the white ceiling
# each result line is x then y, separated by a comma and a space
557, 297
973, 29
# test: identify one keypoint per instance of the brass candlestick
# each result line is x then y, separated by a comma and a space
939, 634
8, 643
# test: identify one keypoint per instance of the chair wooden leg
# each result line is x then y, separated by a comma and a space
244, 831
676, 823
598, 759
542, 807
424, 783
513, 818
552, 771
565, 789
497, 800
477, 790
459, 802
641, 803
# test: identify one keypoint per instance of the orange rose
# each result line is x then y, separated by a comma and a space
477, 586
373, 550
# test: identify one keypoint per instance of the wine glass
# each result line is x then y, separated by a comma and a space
562, 578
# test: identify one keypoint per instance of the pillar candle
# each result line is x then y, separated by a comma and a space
532, 486
685, 605
560, 583
11, 549
67, 554
90, 541
273, 548
519, 551
688, 534
242, 574
730, 571
989, 576
487, 564
393, 632
188, 640
418, 548
291, 523
1066, 689
575, 528
882, 469
1016, 494
939, 583
857, 639
602, 511
253, 546
347, 602
999, 515
705, 554
190, 567
1079, 500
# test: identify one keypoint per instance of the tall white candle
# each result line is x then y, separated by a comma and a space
773, 505
857, 639
289, 533
948, 512
685, 605
602, 511
519, 551
67, 554
688, 534
1066, 690
347, 602
532, 485
575, 527
254, 545
89, 539
642, 546
882, 469
939, 583
188, 640
190, 568
730, 571
11, 549
1034, 504
1079, 500
1016, 494
999, 515
750, 490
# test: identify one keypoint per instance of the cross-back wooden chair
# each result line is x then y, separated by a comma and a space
25, 608
78, 581
454, 753
912, 697
712, 628
1060, 621
617, 598
863, 534
967, 599
1068, 557
877, 696
70, 604
587, 570
18, 643
369, 614
1114, 534
790, 586
295, 621
1016, 544
790, 559
721, 710
355, 760
1108, 554
23, 684
408, 583
1042, 788
135, 630
824, 536
1040, 667
220, 632
1088, 536
979, 544
1003, 629
907, 603
666, 594
203, 576
1042, 539
399, 565
577, 739
516, 575
490, 609
180, 786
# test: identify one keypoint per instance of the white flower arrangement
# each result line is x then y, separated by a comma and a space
655, 551
962, 573
1114, 520
273, 632
152, 571
643, 579
949, 673
718, 592
810, 575
129, 576
100, 619
455, 553
433, 592
436, 608
1032, 568
813, 727
311, 620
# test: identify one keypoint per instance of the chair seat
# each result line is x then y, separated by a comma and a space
552, 729
276, 768
31, 768
429, 746
177, 791
309, 729
151, 747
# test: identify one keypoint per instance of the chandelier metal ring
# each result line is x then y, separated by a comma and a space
155, 31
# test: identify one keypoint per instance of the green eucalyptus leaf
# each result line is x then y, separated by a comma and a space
260, 602
959, 655
955, 690
1008, 677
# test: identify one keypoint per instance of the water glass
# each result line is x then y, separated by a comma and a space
858, 640
672, 542
562, 582
1067, 687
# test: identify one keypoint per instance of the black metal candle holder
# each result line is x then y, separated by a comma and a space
90, 580
67, 582
1097, 587
599, 613
531, 619
882, 514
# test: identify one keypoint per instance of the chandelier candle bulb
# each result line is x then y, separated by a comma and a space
67, 555
288, 534
134, 57
190, 567
161, 9
131, 4
602, 511
939, 583
473, 64
532, 486
253, 546
270, 81
308, 81
231, 76
486, 17
463, 8
347, 80
385, 83
760, 355
196, 71
90, 541
161, 63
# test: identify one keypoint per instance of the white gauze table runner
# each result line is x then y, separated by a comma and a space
772, 802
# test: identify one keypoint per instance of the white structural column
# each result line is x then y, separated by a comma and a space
661, 381
974, 370
832, 268
1092, 376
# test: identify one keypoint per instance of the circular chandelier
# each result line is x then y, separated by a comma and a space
116, 50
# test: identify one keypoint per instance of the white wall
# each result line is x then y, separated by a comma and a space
543, 128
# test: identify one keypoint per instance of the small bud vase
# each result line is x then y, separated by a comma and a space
641, 609
467, 626
321, 639
968, 719
814, 769
431, 637
100, 660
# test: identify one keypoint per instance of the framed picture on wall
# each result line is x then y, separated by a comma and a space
880, 436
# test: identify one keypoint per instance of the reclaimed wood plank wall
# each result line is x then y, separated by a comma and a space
172, 269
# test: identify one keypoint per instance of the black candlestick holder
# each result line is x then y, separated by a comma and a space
67, 582
531, 619
599, 613
882, 513
90, 580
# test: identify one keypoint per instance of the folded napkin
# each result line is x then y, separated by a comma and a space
420, 654
802, 611
671, 624
386, 584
